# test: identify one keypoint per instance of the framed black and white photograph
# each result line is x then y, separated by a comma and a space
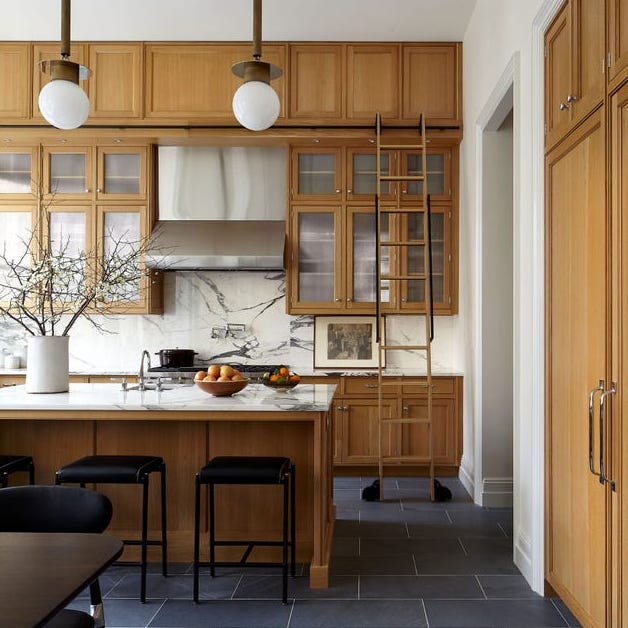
345, 342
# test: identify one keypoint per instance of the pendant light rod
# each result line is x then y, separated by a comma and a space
65, 29
257, 29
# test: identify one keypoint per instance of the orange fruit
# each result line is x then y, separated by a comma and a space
274, 378
283, 371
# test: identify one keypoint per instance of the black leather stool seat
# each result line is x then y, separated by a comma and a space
109, 469
70, 619
244, 470
252, 470
13, 464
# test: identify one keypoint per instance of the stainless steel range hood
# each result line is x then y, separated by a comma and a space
220, 208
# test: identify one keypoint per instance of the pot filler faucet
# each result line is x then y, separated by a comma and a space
141, 377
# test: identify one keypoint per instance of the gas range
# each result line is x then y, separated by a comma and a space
185, 374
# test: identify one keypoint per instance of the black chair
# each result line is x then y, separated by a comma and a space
59, 509
246, 470
107, 469
14, 464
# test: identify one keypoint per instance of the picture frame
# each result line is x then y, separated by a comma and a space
345, 342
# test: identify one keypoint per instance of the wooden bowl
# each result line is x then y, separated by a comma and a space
222, 389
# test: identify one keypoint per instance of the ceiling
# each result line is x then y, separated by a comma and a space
221, 20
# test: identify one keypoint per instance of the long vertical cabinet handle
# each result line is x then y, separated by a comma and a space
611, 391
598, 388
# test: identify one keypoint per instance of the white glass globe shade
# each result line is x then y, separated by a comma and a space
64, 104
256, 105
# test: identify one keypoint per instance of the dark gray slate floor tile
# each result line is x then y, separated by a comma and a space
107, 583
487, 546
269, 587
345, 546
427, 587
176, 587
342, 494
370, 529
481, 516
539, 613
506, 587
565, 612
358, 614
371, 565
431, 515
451, 564
418, 547
434, 531
347, 482
222, 614
125, 613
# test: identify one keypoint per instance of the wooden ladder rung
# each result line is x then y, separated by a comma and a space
403, 347
401, 146
403, 243
401, 277
425, 459
407, 420
402, 177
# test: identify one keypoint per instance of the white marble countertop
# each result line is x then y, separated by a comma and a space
108, 397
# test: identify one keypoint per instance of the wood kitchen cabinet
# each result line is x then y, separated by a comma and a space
574, 82
356, 423
15, 91
194, 81
617, 41
116, 83
19, 173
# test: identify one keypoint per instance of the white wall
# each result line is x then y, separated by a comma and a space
499, 29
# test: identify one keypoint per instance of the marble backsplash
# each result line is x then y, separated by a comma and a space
200, 305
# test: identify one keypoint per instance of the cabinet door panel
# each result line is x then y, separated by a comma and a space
122, 173
14, 77
316, 79
576, 359
372, 81
18, 173
69, 230
115, 86
317, 174
195, 81
618, 39
68, 172
431, 83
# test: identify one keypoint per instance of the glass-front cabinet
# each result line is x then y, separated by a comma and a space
362, 175
316, 174
18, 173
121, 173
67, 173
438, 175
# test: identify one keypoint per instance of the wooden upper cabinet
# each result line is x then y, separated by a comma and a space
432, 83
574, 66
15, 76
42, 52
373, 81
194, 81
116, 82
316, 81
618, 40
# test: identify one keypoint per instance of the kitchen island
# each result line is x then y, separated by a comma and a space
187, 427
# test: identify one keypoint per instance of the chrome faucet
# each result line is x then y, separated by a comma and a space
142, 376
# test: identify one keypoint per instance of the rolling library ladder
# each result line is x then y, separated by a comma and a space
400, 274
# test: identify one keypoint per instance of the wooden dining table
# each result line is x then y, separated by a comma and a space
40, 573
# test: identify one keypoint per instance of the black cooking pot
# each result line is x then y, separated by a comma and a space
172, 358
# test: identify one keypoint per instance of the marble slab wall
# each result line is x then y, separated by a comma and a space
199, 307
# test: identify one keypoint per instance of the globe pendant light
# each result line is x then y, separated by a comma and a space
61, 101
255, 103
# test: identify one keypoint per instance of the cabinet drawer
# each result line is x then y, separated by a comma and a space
441, 386
367, 386
12, 380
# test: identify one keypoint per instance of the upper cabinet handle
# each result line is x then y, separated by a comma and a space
571, 98
563, 106
611, 391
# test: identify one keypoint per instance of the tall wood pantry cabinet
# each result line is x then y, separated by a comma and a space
586, 184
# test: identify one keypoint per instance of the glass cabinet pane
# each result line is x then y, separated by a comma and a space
317, 173
67, 233
364, 280
365, 173
15, 236
435, 173
416, 257
121, 240
384, 257
15, 173
122, 173
317, 249
67, 173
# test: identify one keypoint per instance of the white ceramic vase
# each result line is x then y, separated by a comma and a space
47, 364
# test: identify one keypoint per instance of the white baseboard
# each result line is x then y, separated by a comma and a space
497, 492
522, 557
466, 479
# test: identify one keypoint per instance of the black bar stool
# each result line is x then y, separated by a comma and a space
246, 470
124, 470
14, 464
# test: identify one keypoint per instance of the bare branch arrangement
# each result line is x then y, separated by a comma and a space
46, 288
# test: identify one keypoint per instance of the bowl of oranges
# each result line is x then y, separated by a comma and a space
220, 380
280, 378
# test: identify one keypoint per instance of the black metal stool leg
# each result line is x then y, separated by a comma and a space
284, 558
144, 538
164, 540
293, 520
31, 473
197, 526
212, 532
4, 480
